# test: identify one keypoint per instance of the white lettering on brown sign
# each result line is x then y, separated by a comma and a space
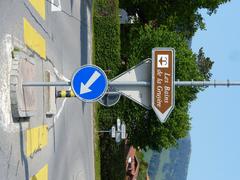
163, 81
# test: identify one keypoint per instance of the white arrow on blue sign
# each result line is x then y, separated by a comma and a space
89, 83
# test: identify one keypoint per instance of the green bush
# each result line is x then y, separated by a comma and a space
107, 56
107, 36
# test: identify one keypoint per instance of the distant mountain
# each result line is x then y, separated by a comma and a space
171, 164
179, 160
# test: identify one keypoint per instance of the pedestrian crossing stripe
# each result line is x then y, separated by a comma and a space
42, 174
33, 39
36, 139
39, 6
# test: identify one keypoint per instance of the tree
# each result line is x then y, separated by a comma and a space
178, 15
149, 131
204, 64
143, 127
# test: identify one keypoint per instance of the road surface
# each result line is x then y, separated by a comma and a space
68, 152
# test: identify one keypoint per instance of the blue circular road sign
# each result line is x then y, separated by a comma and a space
89, 83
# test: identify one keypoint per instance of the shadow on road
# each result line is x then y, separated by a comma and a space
84, 35
23, 157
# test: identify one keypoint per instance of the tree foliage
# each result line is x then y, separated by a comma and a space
204, 64
179, 15
143, 127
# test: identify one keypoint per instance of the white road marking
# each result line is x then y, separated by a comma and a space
60, 76
63, 78
56, 6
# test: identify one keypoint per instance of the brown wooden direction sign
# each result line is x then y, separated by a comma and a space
163, 77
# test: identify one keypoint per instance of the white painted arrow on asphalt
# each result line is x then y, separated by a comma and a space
84, 88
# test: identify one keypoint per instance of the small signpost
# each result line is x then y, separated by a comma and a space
123, 131
117, 132
89, 83
163, 77
113, 131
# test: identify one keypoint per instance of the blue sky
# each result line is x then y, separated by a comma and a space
216, 113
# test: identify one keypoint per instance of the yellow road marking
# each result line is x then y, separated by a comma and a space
41, 175
39, 5
33, 39
37, 138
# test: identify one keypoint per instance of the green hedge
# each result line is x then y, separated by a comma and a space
107, 56
107, 36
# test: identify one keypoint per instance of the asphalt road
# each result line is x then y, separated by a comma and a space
69, 152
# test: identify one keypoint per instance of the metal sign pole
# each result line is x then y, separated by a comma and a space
150, 83
180, 83
207, 83
143, 83
46, 83
103, 131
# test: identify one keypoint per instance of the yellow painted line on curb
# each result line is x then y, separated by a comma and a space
33, 39
41, 175
36, 139
39, 6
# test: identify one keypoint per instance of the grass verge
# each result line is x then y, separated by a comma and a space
97, 151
